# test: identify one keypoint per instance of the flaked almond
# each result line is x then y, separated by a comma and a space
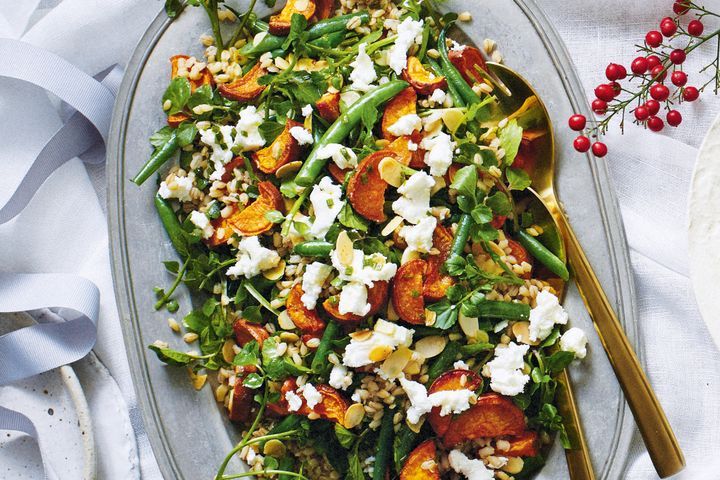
412, 368
285, 321
396, 362
288, 169
361, 335
276, 273
521, 332
385, 327
221, 392
344, 248
391, 313
453, 118
289, 337
469, 325
274, 448
431, 346
391, 171
228, 351
380, 353
409, 255
354, 415
430, 317
416, 427
198, 380
439, 185
391, 226
514, 465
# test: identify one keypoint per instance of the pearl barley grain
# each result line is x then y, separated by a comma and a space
465, 17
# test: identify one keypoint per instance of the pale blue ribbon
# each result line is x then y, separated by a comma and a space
38, 348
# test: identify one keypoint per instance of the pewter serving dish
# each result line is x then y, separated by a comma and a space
188, 430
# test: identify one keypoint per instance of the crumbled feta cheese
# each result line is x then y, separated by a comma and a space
366, 269
307, 110
201, 221
357, 352
340, 377
294, 401
406, 125
433, 123
460, 365
408, 32
325, 198
302, 136
253, 258
312, 396
248, 133
439, 152
363, 73
419, 401
547, 313
383, 80
412, 146
353, 299
456, 47
414, 203
343, 156
438, 96
349, 97
449, 401
506, 376
574, 340
472, 469
180, 189
312, 282
419, 237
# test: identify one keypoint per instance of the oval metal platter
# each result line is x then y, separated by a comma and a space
188, 431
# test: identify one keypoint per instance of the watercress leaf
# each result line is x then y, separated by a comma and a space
253, 314
485, 232
160, 138
455, 265
173, 7
345, 436
274, 216
558, 361
499, 203
510, 138
269, 130
172, 267
253, 381
178, 92
476, 348
186, 133
355, 467
172, 357
172, 306
196, 321
203, 95
466, 203
455, 293
551, 339
482, 214
446, 314
209, 306
350, 219
518, 179
248, 355
465, 181
289, 188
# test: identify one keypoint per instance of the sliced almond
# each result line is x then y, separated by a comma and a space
307, 124
430, 317
496, 249
391, 171
416, 427
228, 351
396, 362
380, 353
431, 346
274, 448
439, 185
521, 332
412, 368
221, 392
354, 415
344, 248
285, 321
409, 255
259, 37
469, 325
288, 169
198, 381
385, 327
276, 273
391, 226
392, 315
514, 465
361, 335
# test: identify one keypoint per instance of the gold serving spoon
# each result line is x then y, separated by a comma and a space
660, 441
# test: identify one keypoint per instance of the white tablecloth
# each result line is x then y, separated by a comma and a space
64, 230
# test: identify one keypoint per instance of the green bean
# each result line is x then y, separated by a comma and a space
171, 223
384, 445
461, 234
158, 158
313, 248
342, 127
330, 40
454, 77
504, 310
457, 100
473, 349
543, 255
320, 365
443, 362
402, 445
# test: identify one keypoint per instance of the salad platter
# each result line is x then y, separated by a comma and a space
334, 242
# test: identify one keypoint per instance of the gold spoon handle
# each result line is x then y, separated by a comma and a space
578, 457
660, 441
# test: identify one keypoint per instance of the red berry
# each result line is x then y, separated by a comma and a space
639, 66
659, 92
605, 92
599, 149
678, 78
690, 94
668, 27
653, 38
678, 56
653, 61
577, 122
617, 88
658, 72
695, 28
655, 123
615, 72
582, 144
642, 113
653, 106
674, 118
680, 7
599, 106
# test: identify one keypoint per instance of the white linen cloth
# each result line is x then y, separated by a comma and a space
64, 230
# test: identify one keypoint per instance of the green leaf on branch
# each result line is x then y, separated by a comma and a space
178, 92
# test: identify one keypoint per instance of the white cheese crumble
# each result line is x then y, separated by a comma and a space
412, 146
408, 32
307, 110
201, 221
547, 313
363, 73
294, 401
357, 352
460, 365
348, 97
420, 237
506, 376
248, 133
574, 340
414, 203
472, 469
343, 156
439, 152
252, 258
312, 282
353, 299
326, 201
438, 96
302, 136
406, 125
449, 401
340, 377
312, 396
366, 269
180, 189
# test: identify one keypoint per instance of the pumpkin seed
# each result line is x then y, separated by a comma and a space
431, 346
354, 415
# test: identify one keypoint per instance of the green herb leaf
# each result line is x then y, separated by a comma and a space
186, 133
558, 361
161, 137
518, 179
482, 214
270, 130
350, 219
174, 357
274, 216
249, 355
446, 314
253, 381
499, 203
345, 437
178, 92
203, 95
465, 181
510, 138
173, 7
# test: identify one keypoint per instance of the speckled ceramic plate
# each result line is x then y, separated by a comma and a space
188, 432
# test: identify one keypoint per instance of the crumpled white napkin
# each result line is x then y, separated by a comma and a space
63, 229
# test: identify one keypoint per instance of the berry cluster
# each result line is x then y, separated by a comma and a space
649, 72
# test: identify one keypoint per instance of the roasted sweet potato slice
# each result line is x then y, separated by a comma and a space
523, 445
252, 221
407, 298
492, 416
176, 119
324, 9
520, 254
307, 321
245, 88
377, 296
246, 332
337, 173
241, 398
404, 103
466, 60
366, 190
418, 466
329, 106
412, 158
332, 406
282, 150
280, 23
452, 380
205, 78
436, 282
423, 81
